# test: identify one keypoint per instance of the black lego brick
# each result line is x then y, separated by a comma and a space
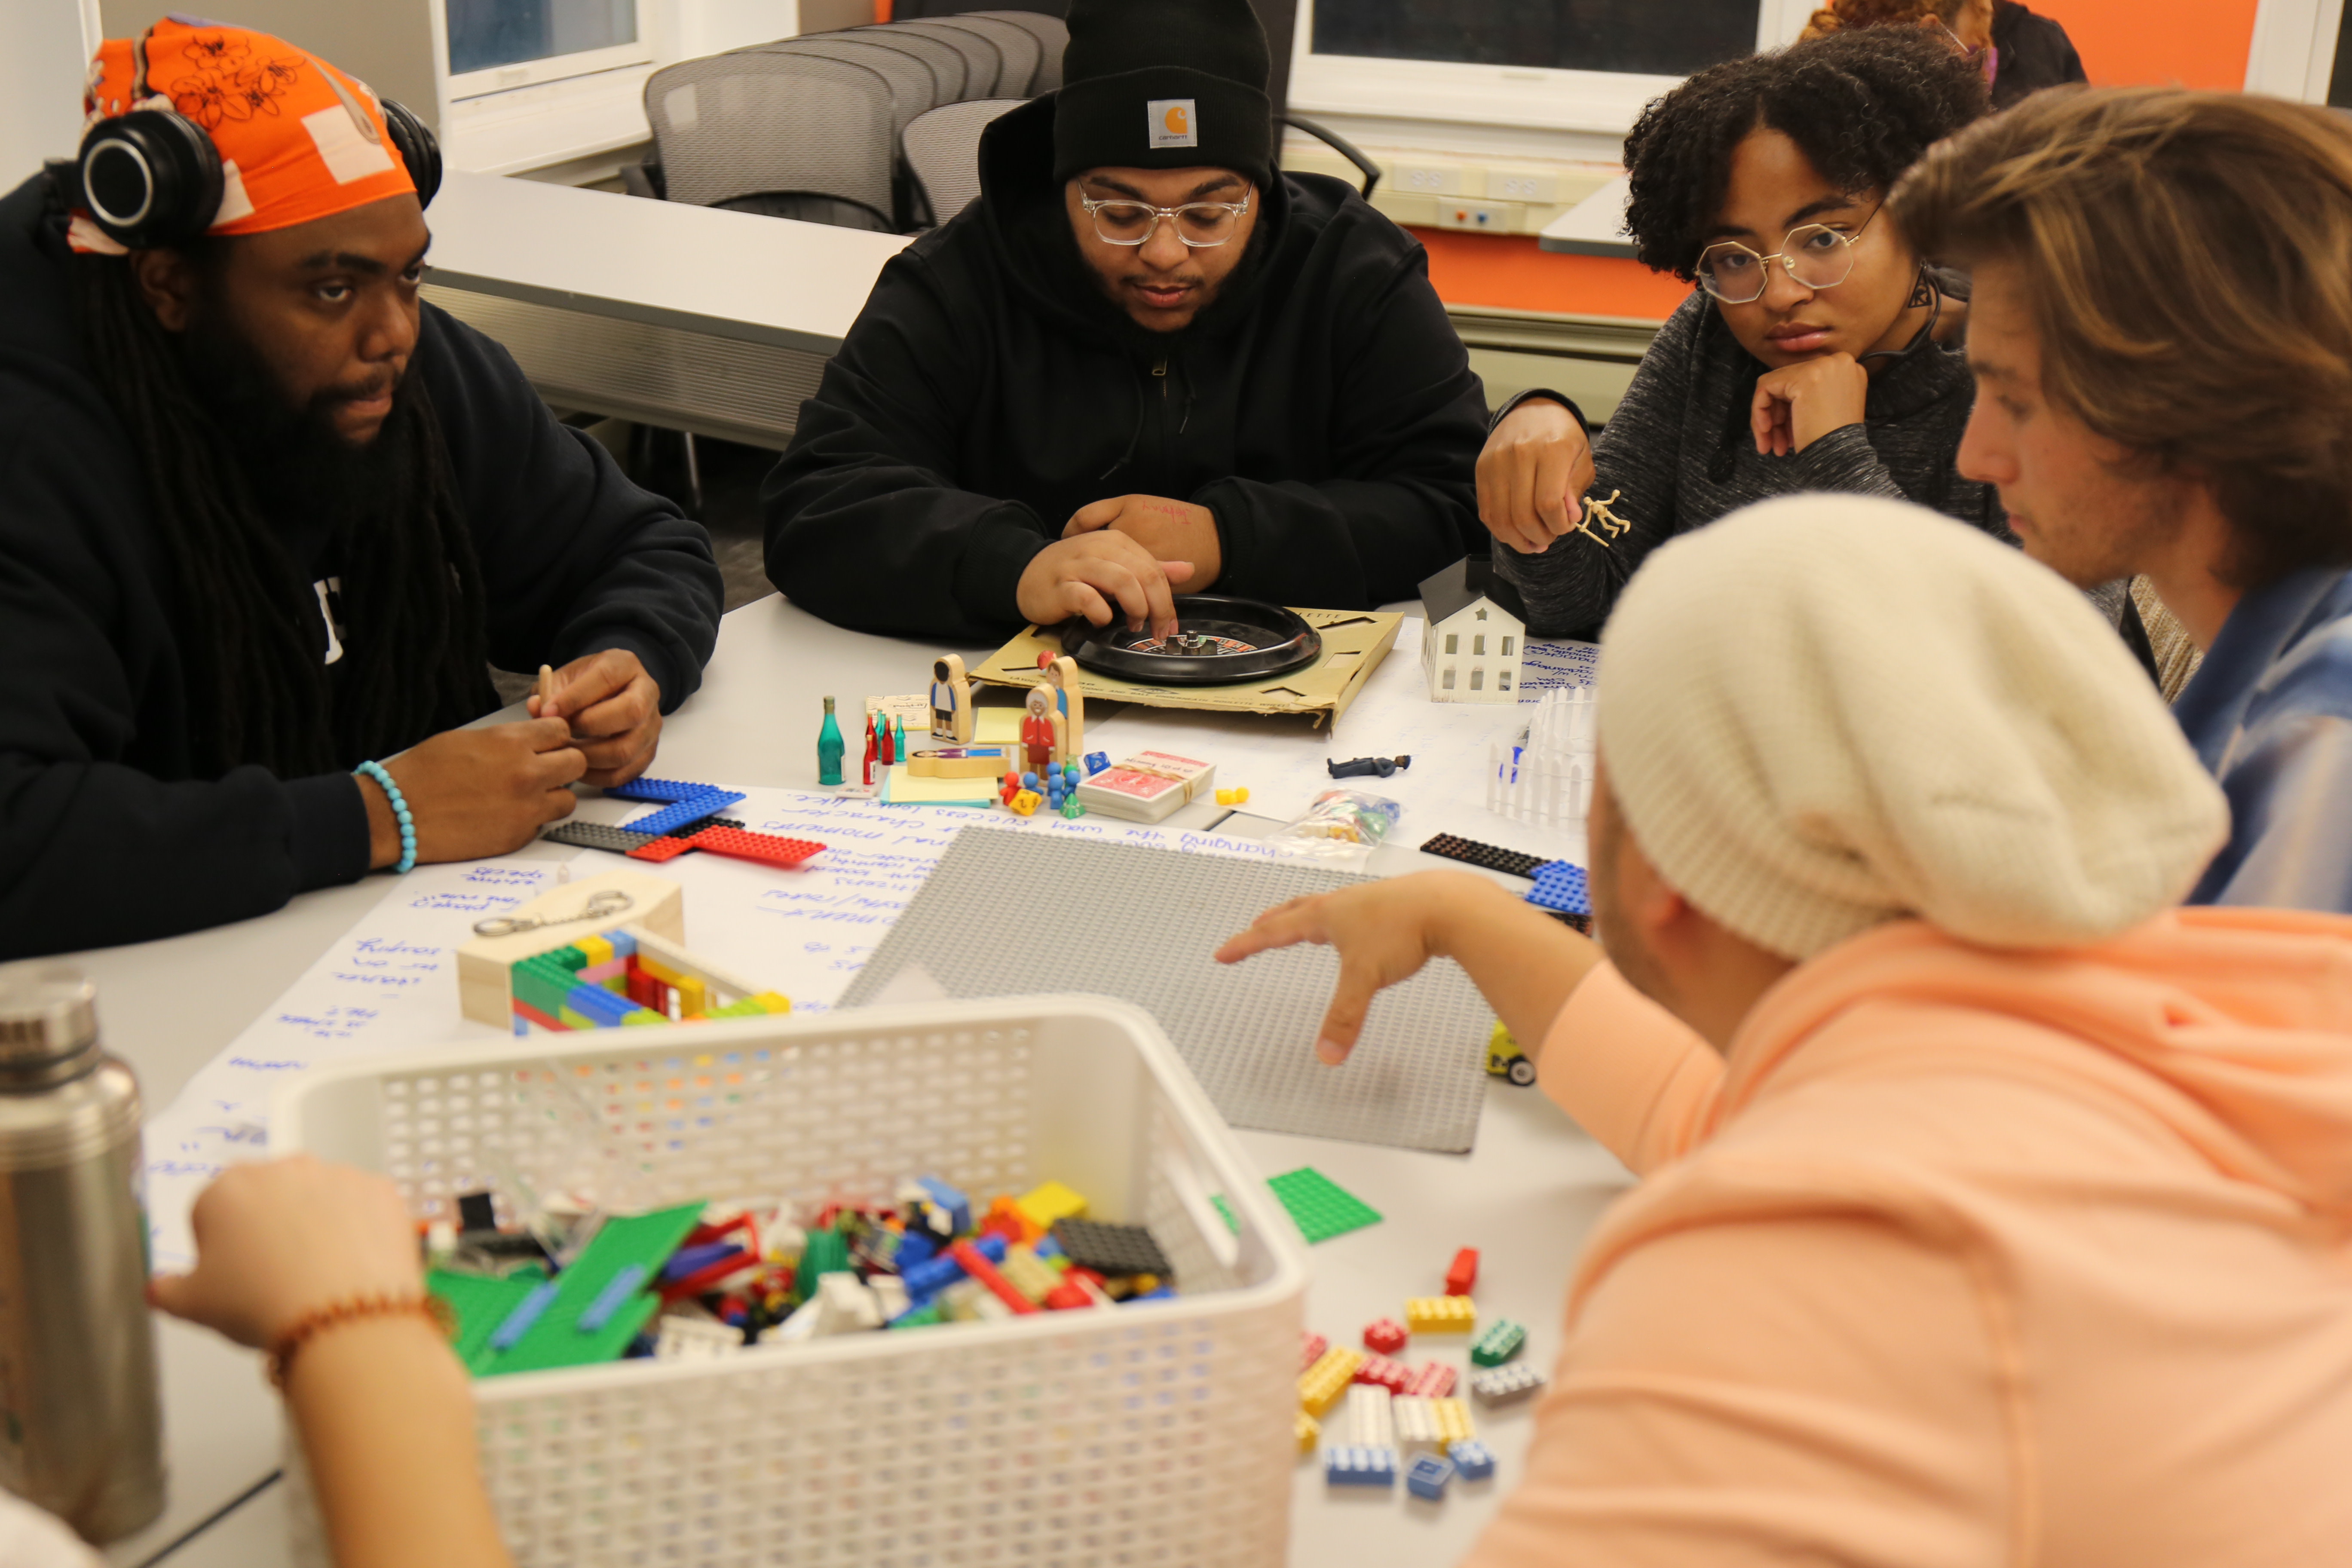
1470, 852
620, 840
1111, 1250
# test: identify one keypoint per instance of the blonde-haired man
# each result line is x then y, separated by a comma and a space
2162, 342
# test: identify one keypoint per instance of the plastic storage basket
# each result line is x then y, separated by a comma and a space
1157, 1433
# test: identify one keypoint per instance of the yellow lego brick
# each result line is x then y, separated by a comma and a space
774, 1002
1309, 1430
1321, 1386
1441, 1314
693, 996
1027, 1273
1042, 1206
1454, 1423
656, 968
598, 949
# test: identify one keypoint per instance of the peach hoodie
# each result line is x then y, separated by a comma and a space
1966, 1257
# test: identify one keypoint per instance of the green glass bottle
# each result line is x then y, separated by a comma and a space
828, 749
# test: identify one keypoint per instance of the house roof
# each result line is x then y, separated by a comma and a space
1463, 584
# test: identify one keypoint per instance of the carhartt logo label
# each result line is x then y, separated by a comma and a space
1172, 122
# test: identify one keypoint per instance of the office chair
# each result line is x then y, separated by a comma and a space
1053, 36
1019, 49
943, 150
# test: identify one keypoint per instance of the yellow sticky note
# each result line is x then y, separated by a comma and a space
996, 727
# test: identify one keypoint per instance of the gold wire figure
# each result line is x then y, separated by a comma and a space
1598, 511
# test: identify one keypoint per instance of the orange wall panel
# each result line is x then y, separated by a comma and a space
1509, 271
2130, 43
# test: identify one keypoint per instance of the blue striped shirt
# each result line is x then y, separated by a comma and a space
2270, 713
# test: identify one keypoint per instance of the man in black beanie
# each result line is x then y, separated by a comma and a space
1145, 360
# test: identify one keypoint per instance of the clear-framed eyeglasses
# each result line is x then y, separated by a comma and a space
1817, 256
1201, 224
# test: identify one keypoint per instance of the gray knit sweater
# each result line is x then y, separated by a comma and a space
1680, 448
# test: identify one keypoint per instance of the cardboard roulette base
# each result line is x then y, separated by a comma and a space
1218, 641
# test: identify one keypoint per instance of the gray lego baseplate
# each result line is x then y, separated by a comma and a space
1009, 914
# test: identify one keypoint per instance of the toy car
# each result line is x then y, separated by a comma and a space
1505, 1060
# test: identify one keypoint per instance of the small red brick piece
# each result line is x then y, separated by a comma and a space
765, 847
1311, 1346
1464, 1272
1435, 1381
976, 1264
1382, 1372
1384, 1336
661, 849
1068, 1295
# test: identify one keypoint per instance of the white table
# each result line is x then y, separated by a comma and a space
1593, 226
691, 318
1526, 1197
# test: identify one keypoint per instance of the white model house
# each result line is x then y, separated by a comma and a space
1474, 645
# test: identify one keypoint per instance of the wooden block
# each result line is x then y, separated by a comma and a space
962, 763
484, 990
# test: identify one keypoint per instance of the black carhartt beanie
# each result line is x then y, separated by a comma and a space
1164, 84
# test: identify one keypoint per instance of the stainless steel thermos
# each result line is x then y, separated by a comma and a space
80, 1418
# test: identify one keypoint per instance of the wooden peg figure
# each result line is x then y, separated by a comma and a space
1041, 730
951, 717
1062, 675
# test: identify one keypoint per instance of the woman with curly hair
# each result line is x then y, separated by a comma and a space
1805, 359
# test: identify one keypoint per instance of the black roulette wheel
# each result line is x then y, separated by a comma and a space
1218, 642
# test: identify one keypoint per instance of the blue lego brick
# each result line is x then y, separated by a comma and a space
527, 1313
936, 1274
914, 1247
1353, 1467
688, 1261
1048, 1246
623, 944
958, 1207
611, 1298
1158, 1293
1472, 1460
660, 791
1561, 888
1428, 1478
599, 1006
694, 809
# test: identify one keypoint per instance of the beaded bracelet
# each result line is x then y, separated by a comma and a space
399, 803
317, 1321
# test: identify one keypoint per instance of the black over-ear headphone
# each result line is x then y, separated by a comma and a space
153, 177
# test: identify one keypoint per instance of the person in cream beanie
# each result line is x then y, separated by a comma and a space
1828, 712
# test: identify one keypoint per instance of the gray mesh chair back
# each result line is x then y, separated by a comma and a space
944, 149
949, 67
983, 61
792, 136
1016, 46
914, 89
1053, 36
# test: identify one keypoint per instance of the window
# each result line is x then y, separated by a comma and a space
1503, 680
1453, 644
1447, 684
495, 45
1506, 647
1562, 65
1478, 644
2301, 50
1478, 679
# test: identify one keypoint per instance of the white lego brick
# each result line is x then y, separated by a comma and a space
1416, 1425
695, 1339
1369, 1425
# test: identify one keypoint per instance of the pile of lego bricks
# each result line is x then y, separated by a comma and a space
1397, 1413
605, 981
704, 1281
688, 821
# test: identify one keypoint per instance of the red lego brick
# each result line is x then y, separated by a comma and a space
1068, 1295
1464, 1272
976, 1264
764, 848
661, 849
1384, 1336
525, 1010
1381, 1372
1311, 1346
1433, 1381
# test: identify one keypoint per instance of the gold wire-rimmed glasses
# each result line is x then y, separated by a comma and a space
1203, 226
1817, 256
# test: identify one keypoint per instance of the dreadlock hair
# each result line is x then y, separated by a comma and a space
250, 630
1862, 106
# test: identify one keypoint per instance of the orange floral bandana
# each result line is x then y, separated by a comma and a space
299, 140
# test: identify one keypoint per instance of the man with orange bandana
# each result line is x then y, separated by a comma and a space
270, 517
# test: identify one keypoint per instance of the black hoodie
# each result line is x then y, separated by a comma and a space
106, 834
1321, 406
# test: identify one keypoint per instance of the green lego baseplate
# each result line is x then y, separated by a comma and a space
555, 1339
1321, 1207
